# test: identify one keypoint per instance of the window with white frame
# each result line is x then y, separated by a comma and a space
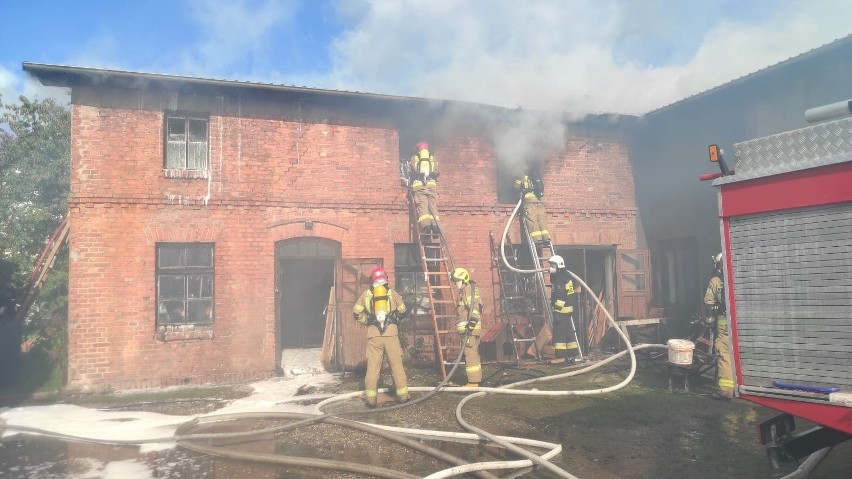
187, 139
184, 284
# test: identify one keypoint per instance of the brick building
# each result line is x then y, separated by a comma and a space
211, 220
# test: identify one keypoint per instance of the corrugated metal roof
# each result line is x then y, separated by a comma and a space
66, 76
69, 76
817, 50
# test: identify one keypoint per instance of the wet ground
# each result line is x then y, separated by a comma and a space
641, 431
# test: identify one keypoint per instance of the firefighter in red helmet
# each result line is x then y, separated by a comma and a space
380, 308
423, 181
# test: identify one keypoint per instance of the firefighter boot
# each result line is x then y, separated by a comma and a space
404, 398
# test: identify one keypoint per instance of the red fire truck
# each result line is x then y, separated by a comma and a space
785, 210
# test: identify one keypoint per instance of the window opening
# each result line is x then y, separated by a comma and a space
410, 280
186, 143
184, 284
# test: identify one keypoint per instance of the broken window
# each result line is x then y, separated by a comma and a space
410, 280
184, 284
186, 143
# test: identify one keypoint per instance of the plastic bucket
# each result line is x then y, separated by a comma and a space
680, 351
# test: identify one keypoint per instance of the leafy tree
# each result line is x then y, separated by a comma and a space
35, 158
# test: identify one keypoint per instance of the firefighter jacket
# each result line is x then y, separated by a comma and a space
564, 297
469, 307
528, 188
714, 302
422, 172
363, 312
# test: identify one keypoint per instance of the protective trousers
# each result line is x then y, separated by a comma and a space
536, 218
472, 362
426, 204
564, 337
723, 360
379, 347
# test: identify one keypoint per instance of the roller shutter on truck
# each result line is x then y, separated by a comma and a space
793, 277
786, 224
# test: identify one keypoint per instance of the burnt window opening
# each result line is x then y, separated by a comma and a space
410, 280
187, 140
185, 284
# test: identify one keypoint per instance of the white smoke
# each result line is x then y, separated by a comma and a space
615, 56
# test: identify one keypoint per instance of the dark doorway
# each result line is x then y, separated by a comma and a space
305, 270
595, 265
305, 289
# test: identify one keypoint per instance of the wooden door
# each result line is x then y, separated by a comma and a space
352, 279
633, 269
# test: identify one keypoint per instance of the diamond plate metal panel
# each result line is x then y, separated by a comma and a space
809, 147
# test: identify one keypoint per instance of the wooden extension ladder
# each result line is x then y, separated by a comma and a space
43, 267
437, 267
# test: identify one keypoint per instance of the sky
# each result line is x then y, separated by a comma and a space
576, 56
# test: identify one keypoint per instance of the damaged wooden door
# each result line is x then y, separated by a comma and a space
349, 340
633, 267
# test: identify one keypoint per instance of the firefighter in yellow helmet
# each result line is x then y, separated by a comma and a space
381, 308
423, 181
531, 189
564, 298
716, 317
469, 309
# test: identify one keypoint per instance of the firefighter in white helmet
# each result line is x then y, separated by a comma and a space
564, 298
423, 181
469, 309
380, 308
716, 317
531, 188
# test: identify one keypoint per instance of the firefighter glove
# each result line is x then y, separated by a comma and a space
471, 325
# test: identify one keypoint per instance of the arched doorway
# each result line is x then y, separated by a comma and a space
304, 272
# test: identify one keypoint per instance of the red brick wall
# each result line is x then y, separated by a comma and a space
267, 176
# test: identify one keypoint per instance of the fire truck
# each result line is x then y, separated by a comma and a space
785, 209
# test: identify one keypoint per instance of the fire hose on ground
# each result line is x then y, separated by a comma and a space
183, 437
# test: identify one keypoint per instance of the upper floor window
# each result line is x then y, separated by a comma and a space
184, 284
187, 139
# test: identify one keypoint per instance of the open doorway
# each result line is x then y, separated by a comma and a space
304, 270
595, 264
305, 288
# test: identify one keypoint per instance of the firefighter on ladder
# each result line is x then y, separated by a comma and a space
469, 309
564, 298
714, 301
531, 189
423, 181
381, 308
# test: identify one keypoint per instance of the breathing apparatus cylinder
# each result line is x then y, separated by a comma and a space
381, 305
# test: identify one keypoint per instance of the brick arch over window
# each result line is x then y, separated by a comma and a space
300, 228
200, 232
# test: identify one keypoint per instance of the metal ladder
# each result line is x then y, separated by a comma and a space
515, 301
541, 286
